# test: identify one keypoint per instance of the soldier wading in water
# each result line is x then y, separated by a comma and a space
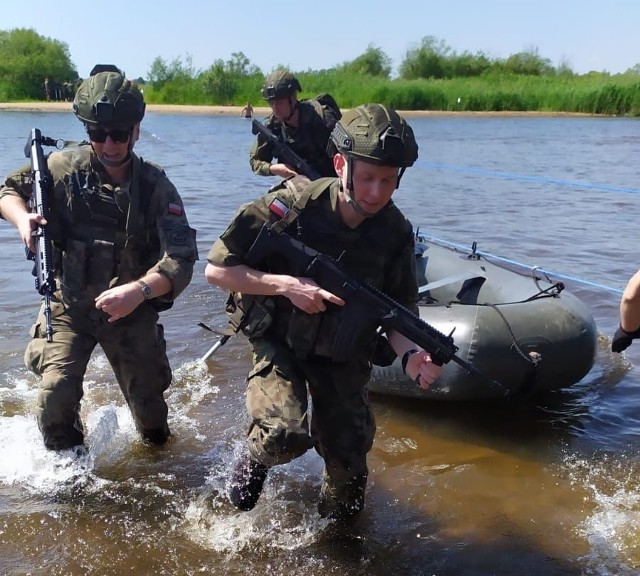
122, 251
351, 216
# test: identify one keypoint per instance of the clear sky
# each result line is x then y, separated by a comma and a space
585, 34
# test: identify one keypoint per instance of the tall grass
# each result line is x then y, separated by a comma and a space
594, 93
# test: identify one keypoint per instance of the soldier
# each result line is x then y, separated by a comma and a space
48, 89
304, 126
293, 322
122, 252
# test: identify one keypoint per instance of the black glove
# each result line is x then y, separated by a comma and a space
622, 339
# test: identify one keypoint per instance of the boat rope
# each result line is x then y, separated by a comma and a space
532, 357
532, 270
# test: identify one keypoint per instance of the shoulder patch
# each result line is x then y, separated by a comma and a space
174, 209
279, 208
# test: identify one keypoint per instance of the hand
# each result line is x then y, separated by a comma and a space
282, 170
120, 301
306, 295
622, 339
27, 226
421, 369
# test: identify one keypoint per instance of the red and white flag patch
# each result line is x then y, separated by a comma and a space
279, 208
174, 209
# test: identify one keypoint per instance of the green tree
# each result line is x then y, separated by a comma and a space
529, 63
429, 60
26, 59
374, 62
176, 71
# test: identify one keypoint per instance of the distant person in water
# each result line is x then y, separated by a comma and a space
247, 111
629, 328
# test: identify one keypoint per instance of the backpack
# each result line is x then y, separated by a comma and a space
326, 107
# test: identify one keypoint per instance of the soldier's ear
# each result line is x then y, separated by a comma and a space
339, 164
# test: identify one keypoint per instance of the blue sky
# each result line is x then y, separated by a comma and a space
584, 34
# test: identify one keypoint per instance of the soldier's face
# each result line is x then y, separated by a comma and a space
281, 108
373, 185
113, 145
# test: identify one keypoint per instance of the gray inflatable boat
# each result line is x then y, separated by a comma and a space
523, 332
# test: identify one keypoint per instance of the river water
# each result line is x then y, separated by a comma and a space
549, 487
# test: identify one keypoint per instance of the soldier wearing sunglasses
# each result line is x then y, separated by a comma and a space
122, 252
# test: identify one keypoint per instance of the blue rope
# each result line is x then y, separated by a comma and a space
512, 176
531, 269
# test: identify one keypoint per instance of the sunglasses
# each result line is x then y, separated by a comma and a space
100, 136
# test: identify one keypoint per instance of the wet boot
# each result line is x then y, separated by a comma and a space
156, 436
247, 481
344, 503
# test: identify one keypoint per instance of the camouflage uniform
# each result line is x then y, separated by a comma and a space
308, 140
294, 355
105, 237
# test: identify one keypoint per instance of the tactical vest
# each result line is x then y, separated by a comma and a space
99, 241
365, 251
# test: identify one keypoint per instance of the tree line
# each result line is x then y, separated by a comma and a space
431, 76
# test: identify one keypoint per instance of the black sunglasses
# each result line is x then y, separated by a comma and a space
100, 136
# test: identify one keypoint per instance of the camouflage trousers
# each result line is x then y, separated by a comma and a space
136, 350
340, 426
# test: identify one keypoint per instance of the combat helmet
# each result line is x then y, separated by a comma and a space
376, 134
108, 98
280, 84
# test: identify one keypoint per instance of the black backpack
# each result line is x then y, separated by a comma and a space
326, 107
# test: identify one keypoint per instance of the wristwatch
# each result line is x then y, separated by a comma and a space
146, 289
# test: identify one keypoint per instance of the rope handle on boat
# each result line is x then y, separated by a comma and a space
532, 357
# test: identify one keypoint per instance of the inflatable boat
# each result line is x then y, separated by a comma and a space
523, 333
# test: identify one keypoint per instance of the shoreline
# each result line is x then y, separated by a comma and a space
260, 111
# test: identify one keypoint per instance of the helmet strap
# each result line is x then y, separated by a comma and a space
349, 195
400, 176
111, 163
292, 107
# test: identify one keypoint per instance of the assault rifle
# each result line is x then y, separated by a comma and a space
284, 153
42, 185
363, 302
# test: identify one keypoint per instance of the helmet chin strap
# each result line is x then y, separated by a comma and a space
350, 196
293, 109
115, 164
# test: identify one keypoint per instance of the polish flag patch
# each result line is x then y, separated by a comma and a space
279, 208
174, 209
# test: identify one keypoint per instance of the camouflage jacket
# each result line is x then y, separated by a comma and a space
103, 239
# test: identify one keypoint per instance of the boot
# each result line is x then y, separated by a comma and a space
344, 503
247, 480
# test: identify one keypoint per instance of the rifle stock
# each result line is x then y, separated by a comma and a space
45, 282
284, 153
371, 302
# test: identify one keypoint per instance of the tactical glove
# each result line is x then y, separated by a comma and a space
622, 339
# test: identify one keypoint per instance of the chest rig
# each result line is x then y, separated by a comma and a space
101, 236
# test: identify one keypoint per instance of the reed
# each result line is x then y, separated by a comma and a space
594, 93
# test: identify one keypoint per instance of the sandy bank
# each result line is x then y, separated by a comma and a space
258, 111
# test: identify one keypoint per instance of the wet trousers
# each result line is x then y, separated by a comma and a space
341, 426
136, 350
